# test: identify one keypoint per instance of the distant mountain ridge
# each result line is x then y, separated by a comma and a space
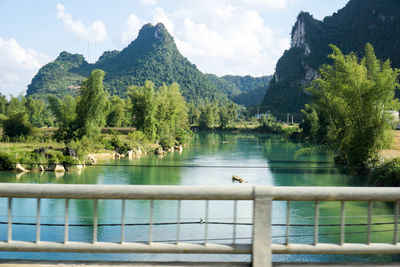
153, 55
243, 90
359, 22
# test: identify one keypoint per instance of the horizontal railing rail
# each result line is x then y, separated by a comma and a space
262, 197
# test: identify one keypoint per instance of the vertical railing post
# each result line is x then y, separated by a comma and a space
261, 251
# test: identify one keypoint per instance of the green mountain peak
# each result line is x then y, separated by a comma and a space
152, 56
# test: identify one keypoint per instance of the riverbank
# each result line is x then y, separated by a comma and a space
44, 154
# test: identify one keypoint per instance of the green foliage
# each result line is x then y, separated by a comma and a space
270, 125
7, 161
137, 138
388, 174
359, 22
3, 104
208, 115
193, 113
16, 105
228, 115
143, 108
117, 116
162, 115
56, 77
91, 107
355, 98
310, 124
243, 90
118, 145
84, 146
2, 118
171, 116
35, 109
17, 126
65, 112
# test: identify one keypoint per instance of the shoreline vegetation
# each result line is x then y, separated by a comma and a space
353, 112
37, 154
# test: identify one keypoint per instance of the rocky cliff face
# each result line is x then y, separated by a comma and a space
299, 36
359, 22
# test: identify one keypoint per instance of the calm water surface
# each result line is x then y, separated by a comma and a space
211, 159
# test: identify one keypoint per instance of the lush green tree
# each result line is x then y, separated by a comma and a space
172, 115
208, 115
228, 114
117, 116
310, 124
269, 124
193, 113
65, 112
144, 108
35, 110
355, 98
91, 107
16, 105
3, 108
3, 104
17, 126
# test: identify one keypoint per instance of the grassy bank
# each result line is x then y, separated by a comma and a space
41, 152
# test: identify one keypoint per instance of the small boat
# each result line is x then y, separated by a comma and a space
238, 179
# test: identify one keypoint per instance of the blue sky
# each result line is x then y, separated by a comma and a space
219, 36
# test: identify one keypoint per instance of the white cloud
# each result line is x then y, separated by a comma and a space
265, 4
229, 38
94, 32
17, 66
225, 12
159, 15
132, 27
148, 2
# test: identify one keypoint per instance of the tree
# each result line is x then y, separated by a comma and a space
16, 105
193, 113
17, 125
310, 124
355, 98
91, 107
65, 112
3, 104
35, 110
144, 108
172, 115
116, 116
208, 115
227, 114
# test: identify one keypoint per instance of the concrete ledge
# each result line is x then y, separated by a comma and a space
28, 263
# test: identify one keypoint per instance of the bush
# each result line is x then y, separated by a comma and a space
183, 136
137, 137
83, 147
388, 174
17, 126
270, 125
6, 161
119, 146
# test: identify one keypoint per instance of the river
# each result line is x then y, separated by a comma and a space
211, 159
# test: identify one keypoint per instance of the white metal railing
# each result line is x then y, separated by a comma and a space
261, 247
